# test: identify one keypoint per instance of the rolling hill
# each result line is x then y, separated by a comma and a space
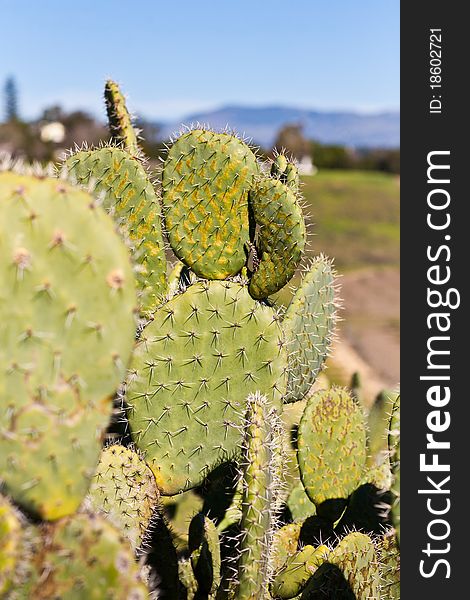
358, 130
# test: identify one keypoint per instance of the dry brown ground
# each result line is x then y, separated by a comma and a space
369, 334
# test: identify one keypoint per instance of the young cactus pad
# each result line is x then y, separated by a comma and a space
65, 282
119, 119
85, 557
394, 449
281, 236
127, 194
206, 178
309, 325
331, 445
193, 368
124, 489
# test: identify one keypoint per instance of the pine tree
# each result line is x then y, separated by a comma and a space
11, 99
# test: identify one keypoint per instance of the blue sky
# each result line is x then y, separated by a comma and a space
182, 56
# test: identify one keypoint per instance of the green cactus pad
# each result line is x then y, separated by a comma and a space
64, 284
206, 178
85, 557
309, 324
119, 119
299, 504
390, 566
281, 236
193, 368
356, 557
261, 464
297, 571
285, 171
331, 445
124, 489
284, 545
178, 511
128, 195
204, 546
378, 422
394, 449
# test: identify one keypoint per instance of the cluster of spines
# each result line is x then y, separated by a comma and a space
260, 467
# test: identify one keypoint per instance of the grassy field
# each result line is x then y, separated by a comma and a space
353, 217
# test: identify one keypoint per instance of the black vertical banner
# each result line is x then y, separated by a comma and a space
435, 266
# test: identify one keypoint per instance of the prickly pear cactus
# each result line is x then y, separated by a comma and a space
206, 179
204, 546
309, 324
378, 422
119, 119
284, 545
356, 557
293, 577
389, 553
85, 557
127, 194
281, 235
394, 449
65, 282
299, 504
331, 446
124, 489
195, 364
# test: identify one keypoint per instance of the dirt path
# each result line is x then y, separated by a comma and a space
369, 335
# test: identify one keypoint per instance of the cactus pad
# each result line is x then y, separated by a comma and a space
128, 195
204, 546
285, 541
124, 489
65, 281
394, 449
389, 553
297, 571
356, 557
286, 171
85, 557
119, 119
193, 368
308, 325
331, 445
281, 236
206, 178
299, 504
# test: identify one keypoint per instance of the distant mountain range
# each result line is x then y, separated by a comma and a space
262, 125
